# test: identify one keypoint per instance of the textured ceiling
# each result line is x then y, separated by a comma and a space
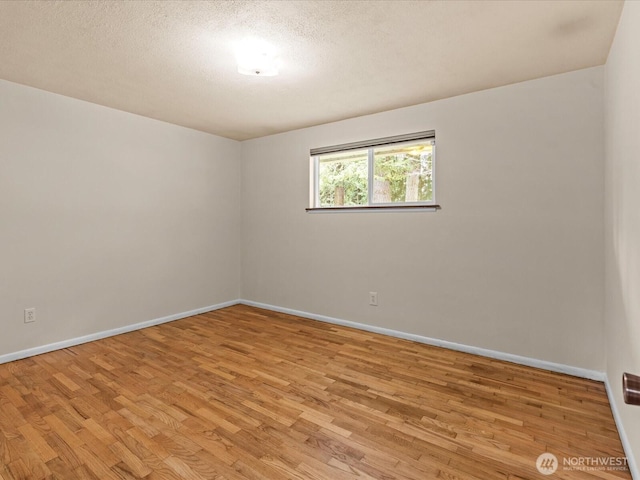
174, 60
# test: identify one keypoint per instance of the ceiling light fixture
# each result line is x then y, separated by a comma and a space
257, 58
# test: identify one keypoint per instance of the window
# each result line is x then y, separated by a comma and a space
388, 172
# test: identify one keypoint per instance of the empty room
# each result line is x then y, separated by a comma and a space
317, 239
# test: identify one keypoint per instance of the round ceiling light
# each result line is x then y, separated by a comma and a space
257, 58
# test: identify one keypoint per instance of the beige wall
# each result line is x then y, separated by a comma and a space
514, 260
622, 214
108, 219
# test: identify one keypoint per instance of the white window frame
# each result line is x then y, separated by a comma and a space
370, 146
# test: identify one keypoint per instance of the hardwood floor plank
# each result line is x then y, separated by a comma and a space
39, 444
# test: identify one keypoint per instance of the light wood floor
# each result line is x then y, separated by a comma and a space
247, 393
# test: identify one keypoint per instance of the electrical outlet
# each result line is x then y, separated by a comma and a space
29, 315
373, 299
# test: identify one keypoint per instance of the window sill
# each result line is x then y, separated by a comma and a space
375, 208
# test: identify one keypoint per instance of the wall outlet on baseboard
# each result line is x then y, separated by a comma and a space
29, 315
373, 299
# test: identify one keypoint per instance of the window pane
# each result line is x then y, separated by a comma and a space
342, 179
403, 173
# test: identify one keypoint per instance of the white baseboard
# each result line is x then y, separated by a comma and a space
631, 461
530, 362
30, 352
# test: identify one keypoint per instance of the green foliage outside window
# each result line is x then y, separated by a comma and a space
396, 169
344, 181
348, 175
